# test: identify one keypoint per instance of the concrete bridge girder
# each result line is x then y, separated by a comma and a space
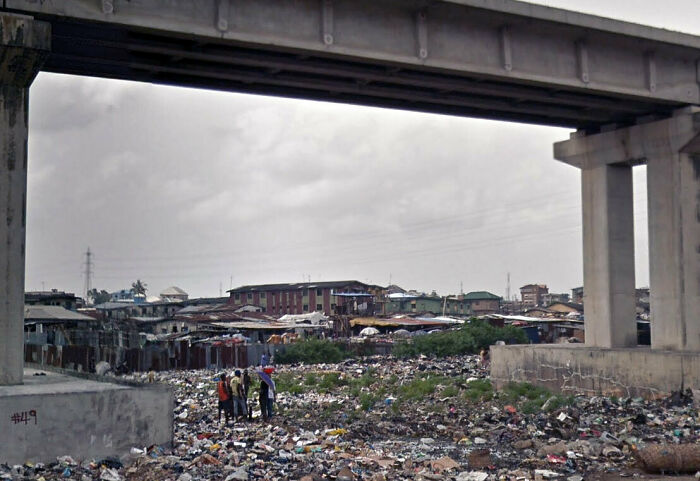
496, 59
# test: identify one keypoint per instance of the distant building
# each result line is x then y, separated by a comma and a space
577, 295
174, 293
481, 303
48, 323
472, 304
54, 297
336, 297
551, 298
119, 311
198, 301
122, 295
642, 300
409, 303
533, 295
565, 308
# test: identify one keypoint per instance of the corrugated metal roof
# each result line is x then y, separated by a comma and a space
480, 295
173, 291
53, 313
296, 285
397, 322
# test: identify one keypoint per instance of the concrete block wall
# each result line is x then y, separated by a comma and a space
578, 369
86, 419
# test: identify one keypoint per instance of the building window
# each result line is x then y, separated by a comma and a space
262, 295
319, 292
306, 307
237, 296
319, 307
305, 292
250, 296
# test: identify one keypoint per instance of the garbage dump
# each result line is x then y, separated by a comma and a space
382, 418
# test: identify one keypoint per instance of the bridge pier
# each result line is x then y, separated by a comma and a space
671, 150
673, 183
608, 255
24, 44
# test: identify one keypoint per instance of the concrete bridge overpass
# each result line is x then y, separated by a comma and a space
493, 59
631, 92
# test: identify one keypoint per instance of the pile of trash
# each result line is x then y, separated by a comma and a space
381, 418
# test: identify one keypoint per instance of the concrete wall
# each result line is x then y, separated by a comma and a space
57, 415
579, 369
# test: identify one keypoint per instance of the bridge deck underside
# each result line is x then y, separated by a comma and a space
121, 52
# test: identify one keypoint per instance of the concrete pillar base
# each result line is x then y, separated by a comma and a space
57, 415
579, 369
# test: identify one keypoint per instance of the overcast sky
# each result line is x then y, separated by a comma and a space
207, 190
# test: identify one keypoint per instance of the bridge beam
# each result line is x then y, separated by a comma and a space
671, 150
24, 44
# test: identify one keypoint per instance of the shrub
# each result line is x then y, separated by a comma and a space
479, 390
531, 398
312, 351
468, 339
330, 381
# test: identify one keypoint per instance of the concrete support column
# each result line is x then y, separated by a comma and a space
608, 256
673, 183
24, 45
671, 150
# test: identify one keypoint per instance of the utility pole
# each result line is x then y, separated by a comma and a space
88, 273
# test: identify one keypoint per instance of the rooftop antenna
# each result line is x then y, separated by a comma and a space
461, 287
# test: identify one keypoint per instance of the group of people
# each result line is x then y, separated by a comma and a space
232, 392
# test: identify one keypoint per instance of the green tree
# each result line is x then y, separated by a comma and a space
139, 288
98, 296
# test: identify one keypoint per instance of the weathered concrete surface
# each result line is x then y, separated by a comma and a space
673, 183
608, 256
56, 414
497, 59
578, 369
671, 149
24, 45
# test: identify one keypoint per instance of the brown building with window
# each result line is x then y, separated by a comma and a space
336, 297
533, 295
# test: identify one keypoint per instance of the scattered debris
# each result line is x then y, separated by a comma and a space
385, 419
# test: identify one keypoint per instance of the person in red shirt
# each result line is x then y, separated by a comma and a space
225, 399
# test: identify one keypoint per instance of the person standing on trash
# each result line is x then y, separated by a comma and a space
267, 391
245, 386
237, 395
224, 394
264, 393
